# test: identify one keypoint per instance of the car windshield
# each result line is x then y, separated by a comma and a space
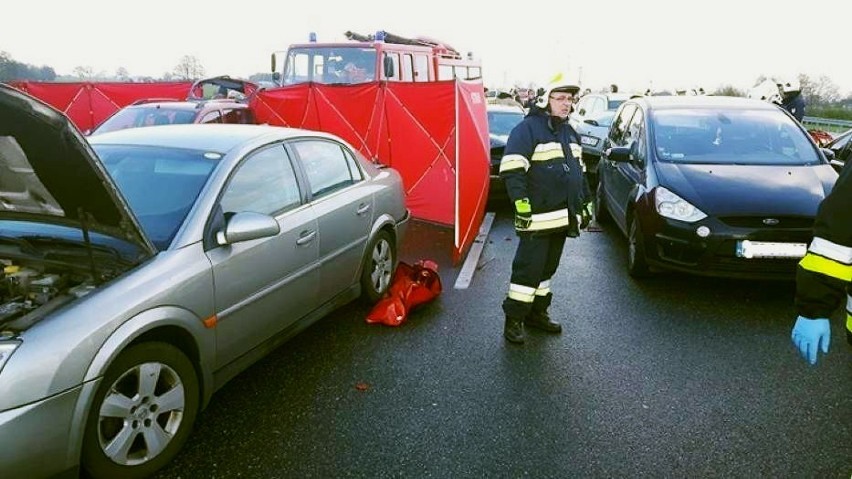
160, 184
731, 136
502, 122
603, 118
613, 104
330, 65
135, 117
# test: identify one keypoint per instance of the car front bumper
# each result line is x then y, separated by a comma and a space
676, 245
38, 439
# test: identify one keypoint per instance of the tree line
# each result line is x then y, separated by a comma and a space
821, 94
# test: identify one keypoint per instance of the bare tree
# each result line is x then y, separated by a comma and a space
121, 74
189, 68
728, 90
84, 72
820, 91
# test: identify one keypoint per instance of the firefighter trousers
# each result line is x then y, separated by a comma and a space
536, 260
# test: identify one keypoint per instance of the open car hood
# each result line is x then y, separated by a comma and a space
49, 173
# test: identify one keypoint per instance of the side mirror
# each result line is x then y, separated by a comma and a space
388, 67
246, 226
619, 154
828, 153
591, 122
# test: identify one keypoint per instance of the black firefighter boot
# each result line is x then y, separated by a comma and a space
513, 331
538, 317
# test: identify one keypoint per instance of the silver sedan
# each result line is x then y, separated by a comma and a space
143, 270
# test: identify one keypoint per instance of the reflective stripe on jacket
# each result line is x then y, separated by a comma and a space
825, 272
538, 164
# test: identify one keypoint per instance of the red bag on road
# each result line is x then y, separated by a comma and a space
411, 286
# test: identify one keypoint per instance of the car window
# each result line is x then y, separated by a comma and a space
502, 122
613, 104
211, 117
237, 115
325, 166
352, 163
265, 183
718, 136
619, 126
583, 105
159, 184
635, 134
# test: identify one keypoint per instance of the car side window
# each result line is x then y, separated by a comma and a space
354, 169
264, 183
236, 115
212, 117
583, 106
619, 125
325, 165
635, 134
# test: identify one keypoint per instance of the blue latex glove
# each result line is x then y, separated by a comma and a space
811, 334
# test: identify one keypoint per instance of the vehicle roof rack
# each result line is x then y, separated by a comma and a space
440, 48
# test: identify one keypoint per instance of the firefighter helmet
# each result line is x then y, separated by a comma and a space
767, 90
557, 84
789, 85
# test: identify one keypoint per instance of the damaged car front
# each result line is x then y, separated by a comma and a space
65, 233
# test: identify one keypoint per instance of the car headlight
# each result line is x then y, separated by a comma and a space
6, 350
673, 206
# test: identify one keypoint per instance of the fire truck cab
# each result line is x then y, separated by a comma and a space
380, 57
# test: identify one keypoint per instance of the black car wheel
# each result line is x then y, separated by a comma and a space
142, 414
378, 267
637, 265
601, 213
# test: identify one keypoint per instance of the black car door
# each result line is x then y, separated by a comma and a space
626, 175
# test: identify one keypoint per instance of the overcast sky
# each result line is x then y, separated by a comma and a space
634, 43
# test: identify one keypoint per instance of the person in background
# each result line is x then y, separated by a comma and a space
613, 88
824, 274
544, 180
791, 97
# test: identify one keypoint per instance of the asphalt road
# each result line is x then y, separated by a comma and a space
675, 376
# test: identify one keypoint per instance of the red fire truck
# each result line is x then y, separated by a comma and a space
367, 58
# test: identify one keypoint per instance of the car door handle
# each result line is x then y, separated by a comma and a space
306, 237
362, 209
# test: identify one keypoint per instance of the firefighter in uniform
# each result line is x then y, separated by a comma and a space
542, 171
825, 272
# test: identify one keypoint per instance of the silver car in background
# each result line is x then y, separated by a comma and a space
143, 270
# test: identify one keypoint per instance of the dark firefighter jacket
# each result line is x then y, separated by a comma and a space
825, 272
538, 164
795, 105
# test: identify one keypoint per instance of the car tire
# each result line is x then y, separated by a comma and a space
601, 213
129, 414
378, 269
637, 264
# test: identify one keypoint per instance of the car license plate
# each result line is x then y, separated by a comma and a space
588, 140
764, 249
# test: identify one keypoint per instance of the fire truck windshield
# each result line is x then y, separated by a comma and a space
329, 65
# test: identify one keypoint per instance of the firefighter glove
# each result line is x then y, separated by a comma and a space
523, 214
809, 335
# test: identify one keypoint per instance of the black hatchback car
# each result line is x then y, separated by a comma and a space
715, 186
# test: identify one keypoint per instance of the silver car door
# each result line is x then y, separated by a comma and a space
344, 207
264, 285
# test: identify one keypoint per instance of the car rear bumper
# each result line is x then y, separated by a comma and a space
675, 245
